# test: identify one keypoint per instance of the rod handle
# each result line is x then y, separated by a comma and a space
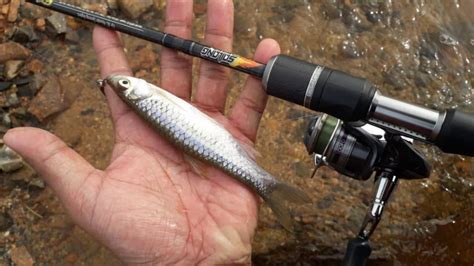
457, 133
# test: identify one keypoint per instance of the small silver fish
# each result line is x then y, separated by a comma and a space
203, 138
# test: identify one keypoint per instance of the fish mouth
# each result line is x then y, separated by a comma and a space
117, 82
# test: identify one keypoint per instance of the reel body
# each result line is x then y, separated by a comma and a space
352, 151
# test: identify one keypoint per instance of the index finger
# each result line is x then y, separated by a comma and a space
112, 60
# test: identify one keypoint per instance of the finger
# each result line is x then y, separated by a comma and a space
111, 57
212, 85
71, 176
176, 68
248, 109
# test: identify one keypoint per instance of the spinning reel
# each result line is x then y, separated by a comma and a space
354, 152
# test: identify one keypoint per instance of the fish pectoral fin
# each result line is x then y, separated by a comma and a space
197, 166
279, 194
250, 150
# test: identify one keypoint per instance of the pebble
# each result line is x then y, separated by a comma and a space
10, 161
13, 11
21, 257
6, 121
13, 51
12, 100
56, 24
5, 85
134, 9
12, 68
72, 36
35, 66
24, 34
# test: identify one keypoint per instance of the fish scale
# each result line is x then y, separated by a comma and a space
203, 138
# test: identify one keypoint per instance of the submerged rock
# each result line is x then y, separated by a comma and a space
13, 51
13, 11
55, 96
9, 160
12, 68
20, 256
56, 24
24, 34
134, 9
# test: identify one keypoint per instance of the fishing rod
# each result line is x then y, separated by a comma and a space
313, 86
165, 39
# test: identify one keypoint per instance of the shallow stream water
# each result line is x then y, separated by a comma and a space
418, 51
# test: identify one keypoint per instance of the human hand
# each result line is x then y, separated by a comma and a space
149, 206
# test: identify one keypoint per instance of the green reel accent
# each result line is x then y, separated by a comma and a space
329, 125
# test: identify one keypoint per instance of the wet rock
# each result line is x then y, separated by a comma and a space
5, 222
355, 19
96, 7
397, 78
40, 24
12, 68
331, 9
112, 4
373, 16
13, 51
447, 40
35, 66
134, 9
55, 97
349, 49
13, 11
72, 36
24, 34
10, 100
6, 121
56, 24
5, 85
21, 257
10, 161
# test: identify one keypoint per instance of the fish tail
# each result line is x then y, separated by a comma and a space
279, 193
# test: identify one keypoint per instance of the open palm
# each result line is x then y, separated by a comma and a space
149, 205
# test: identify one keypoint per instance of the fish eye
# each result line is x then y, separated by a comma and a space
124, 83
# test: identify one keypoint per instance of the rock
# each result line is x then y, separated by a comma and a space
349, 49
6, 121
24, 34
112, 4
134, 9
40, 24
355, 19
12, 68
10, 161
72, 36
331, 9
55, 97
5, 85
13, 51
96, 7
21, 257
35, 66
10, 100
5, 222
13, 11
56, 24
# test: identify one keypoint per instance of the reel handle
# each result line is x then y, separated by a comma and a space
357, 252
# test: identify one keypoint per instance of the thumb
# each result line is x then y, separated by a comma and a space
73, 179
